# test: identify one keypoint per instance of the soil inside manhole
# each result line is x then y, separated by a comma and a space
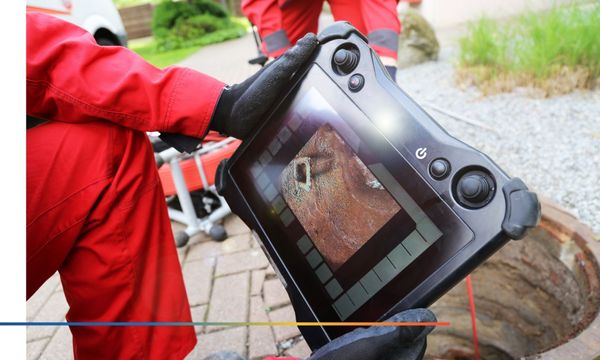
533, 295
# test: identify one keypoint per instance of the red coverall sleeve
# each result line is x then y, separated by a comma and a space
72, 79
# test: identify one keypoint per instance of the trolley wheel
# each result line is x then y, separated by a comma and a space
181, 239
217, 232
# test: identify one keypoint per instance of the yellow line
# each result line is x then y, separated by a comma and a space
377, 323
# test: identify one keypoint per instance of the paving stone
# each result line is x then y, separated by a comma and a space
300, 350
207, 249
285, 314
254, 242
229, 301
198, 280
258, 279
213, 248
34, 348
199, 315
275, 294
236, 243
181, 253
199, 238
260, 340
60, 346
270, 270
225, 340
241, 261
59, 287
177, 227
37, 300
54, 309
217, 60
235, 226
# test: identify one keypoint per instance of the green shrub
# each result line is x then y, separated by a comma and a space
183, 23
203, 24
167, 12
208, 7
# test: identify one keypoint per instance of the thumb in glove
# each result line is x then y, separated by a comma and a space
382, 342
242, 106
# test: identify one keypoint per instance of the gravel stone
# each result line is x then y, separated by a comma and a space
553, 144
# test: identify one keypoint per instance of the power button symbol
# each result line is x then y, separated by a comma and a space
421, 153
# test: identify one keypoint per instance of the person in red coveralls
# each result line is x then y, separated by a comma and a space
96, 212
95, 207
281, 23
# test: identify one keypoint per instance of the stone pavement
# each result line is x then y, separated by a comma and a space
227, 281
226, 61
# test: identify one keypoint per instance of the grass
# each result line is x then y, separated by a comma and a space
126, 3
556, 51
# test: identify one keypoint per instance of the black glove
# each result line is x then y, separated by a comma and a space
382, 343
242, 106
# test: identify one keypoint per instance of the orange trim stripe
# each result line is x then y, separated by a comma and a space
378, 323
48, 10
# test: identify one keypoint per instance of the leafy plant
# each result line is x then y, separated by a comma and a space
557, 51
179, 24
484, 45
208, 7
167, 12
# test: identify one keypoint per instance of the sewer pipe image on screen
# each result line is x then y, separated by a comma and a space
356, 227
336, 198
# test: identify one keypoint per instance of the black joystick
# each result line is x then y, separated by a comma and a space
345, 60
475, 189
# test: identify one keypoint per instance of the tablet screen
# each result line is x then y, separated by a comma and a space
335, 197
354, 224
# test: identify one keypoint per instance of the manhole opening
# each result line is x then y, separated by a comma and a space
531, 296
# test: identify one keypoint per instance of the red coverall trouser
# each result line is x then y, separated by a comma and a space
283, 22
95, 207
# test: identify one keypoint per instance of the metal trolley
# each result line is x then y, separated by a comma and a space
188, 183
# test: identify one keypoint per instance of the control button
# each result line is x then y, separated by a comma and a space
345, 60
356, 82
439, 169
475, 189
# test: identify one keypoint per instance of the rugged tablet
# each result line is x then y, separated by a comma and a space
363, 203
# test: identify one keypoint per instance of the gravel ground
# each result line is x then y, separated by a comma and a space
552, 144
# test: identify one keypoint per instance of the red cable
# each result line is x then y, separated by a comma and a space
473, 319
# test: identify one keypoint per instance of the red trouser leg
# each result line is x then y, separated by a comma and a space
96, 213
348, 10
378, 20
300, 17
297, 19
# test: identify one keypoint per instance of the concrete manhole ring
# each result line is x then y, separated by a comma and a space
536, 298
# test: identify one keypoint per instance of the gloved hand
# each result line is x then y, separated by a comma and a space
382, 343
242, 106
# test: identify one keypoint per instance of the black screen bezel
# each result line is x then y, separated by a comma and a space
455, 232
